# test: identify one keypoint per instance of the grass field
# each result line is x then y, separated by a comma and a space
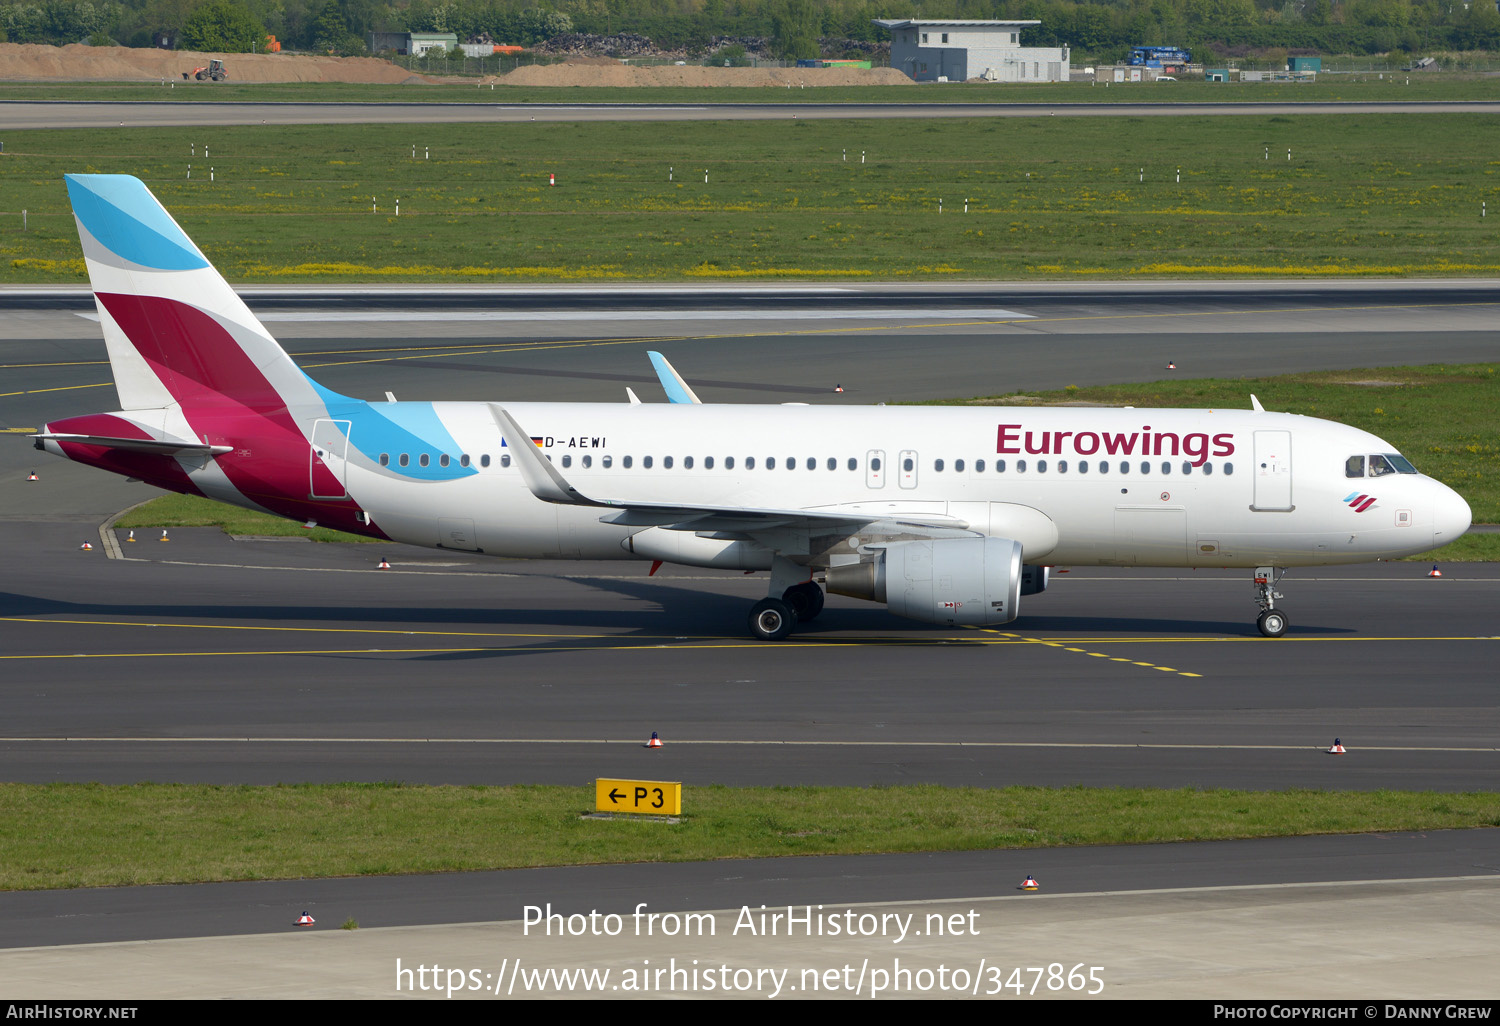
1052, 198
90, 835
1359, 86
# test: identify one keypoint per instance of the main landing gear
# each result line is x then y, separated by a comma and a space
1272, 622
772, 618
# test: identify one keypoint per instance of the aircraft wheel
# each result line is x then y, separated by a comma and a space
1272, 623
772, 619
806, 600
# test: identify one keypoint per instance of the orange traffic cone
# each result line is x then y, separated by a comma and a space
132, 537
1434, 572
164, 535
838, 388
383, 565
86, 547
304, 920
655, 741
1337, 749
1171, 365
1029, 884
32, 477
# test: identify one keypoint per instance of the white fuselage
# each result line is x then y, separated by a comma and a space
1122, 486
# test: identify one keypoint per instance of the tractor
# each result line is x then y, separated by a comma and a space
215, 71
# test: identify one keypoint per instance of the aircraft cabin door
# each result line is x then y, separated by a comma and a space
875, 468
1273, 472
328, 459
908, 468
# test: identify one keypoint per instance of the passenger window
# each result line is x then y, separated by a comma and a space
424, 459
504, 459
463, 461
937, 465
1228, 469
749, 462
1354, 466
708, 463
666, 462
999, 466
1083, 466
1124, 466
875, 463
770, 462
1062, 466
1104, 466
645, 462
728, 462
1187, 468
979, 466
443, 460
1208, 468
607, 462
1380, 466
1145, 467
385, 459
405, 460
958, 466
1041, 466
1020, 466
627, 461
567, 460
1166, 468
687, 463
907, 464
853, 464
588, 461
484, 460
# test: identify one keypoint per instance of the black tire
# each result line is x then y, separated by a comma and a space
201, 75
806, 600
1272, 623
771, 620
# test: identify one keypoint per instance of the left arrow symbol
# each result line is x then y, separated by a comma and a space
614, 795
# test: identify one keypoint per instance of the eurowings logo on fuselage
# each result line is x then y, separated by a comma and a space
1359, 501
1017, 439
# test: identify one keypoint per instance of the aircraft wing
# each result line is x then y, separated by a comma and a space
677, 390
781, 527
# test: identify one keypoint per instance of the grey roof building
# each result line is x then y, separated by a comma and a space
956, 51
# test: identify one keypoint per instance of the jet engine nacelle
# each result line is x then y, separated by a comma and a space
955, 581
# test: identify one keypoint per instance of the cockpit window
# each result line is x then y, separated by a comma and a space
1354, 466
1380, 466
1401, 463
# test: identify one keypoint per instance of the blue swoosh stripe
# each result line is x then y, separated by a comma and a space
125, 218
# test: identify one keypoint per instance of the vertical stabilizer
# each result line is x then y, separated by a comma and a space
176, 331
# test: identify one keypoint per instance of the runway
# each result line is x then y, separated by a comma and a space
29, 114
211, 659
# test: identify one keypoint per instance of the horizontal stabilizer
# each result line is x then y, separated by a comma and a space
164, 447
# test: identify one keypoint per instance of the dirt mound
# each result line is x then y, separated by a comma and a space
22, 62
571, 74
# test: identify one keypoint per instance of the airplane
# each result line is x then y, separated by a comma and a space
946, 515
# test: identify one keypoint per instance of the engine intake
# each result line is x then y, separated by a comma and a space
956, 581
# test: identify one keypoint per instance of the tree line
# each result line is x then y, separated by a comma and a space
1102, 31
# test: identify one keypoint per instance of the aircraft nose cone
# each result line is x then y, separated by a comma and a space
1451, 516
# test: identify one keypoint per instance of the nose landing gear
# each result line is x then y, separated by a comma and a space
1272, 622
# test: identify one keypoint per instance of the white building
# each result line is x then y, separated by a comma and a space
956, 51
